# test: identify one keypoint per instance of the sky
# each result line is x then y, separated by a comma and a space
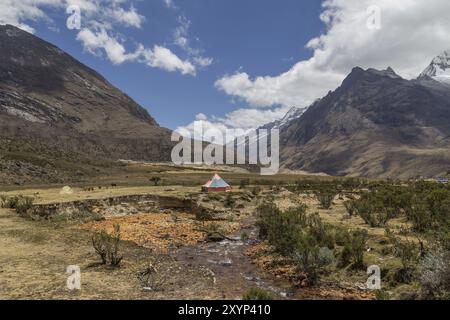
235, 63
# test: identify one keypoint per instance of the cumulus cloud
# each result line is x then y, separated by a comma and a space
160, 57
240, 120
412, 32
95, 41
165, 59
16, 12
127, 17
97, 34
21, 13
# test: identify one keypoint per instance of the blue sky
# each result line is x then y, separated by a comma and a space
237, 63
258, 36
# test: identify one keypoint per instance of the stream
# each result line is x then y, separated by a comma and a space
233, 270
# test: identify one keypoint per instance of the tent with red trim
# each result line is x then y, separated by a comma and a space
216, 184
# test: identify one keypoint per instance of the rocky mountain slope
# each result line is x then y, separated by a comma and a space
54, 107
439, 69
376, 124
292, 114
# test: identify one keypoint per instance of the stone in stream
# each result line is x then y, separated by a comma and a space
226, 263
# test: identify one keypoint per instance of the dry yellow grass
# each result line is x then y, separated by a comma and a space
34, 257
53, 195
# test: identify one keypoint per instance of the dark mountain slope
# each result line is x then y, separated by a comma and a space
49, 99
376, 124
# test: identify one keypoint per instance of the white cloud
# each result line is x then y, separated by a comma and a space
241, 120
298, 87
165, 59
99, 40
97, 34
169, 3
182, 40
412, 33
202, 61
128, 17
16, 12
20, 13
95, 41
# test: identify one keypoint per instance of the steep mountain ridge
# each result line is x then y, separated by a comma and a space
439, 68
375, 124
292, 114
48, 96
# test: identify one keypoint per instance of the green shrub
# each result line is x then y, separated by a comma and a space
3, 200
325, 198
214, 196
341, 236
435, 275
439, 206
351, 183
371, 210
310, 258
244, 183
155, 180
350, 207
408, 252
324, 233
352, 254
381, 204
417, 212
256, 190
20, 203
107, 246
255, 294
382, 295
302, 238
229, 201
281, 228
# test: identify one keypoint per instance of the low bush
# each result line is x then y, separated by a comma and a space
255, 294
20, 203
350, 207
151, 279
354, 246
409, 253
256, 190
435, 275
302, 238
382, 295
244, 183
310, 258
107, 246
439, 207
326, 197
417, 212
371, 209
229, 201
155, 180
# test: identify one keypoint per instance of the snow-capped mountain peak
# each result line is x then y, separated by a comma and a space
292, 114
439, 68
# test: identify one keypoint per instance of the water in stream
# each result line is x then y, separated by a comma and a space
233, 270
